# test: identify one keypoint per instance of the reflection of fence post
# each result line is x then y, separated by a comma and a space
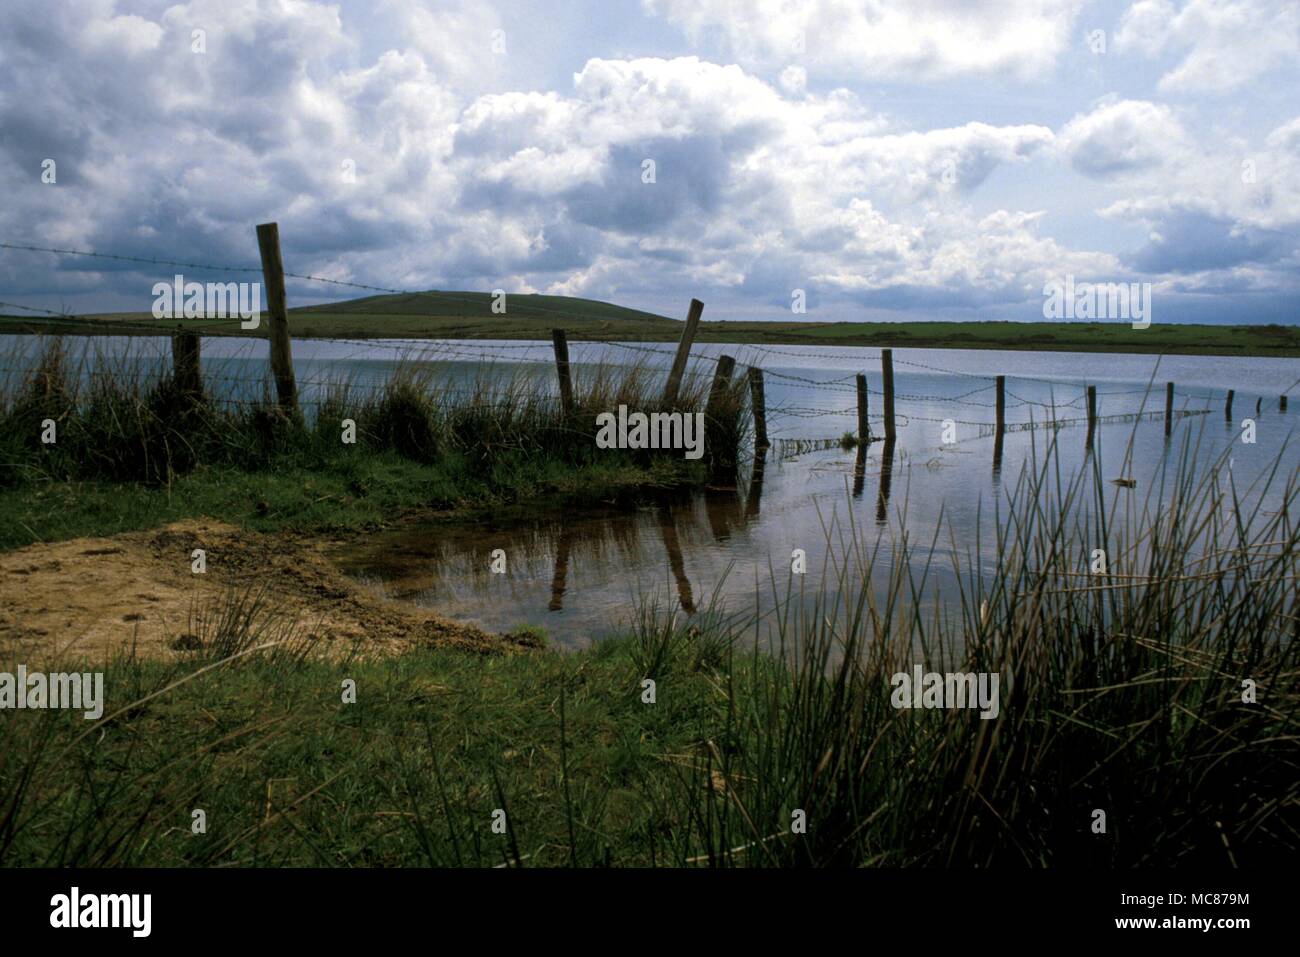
561, 344
1092, 411
1169, 409
683, 352
755, 483
864, 434
268, 243
887, 370
185, 364
886, 476
760, 409
1227, 409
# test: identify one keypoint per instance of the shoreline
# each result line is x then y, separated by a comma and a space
1101, 338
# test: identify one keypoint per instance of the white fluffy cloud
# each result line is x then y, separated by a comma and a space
1121, 137
884, 39
1223, 44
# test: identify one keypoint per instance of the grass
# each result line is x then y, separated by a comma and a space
467, 315
1122, 692
133, 450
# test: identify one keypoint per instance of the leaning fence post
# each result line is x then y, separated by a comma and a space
864, 434
1169, 408
760, 409
561, 344
1227, 409
268, 243
683, 352
185, 364
887, 370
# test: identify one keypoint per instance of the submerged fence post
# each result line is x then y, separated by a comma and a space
760, 409
185, 363
1092, 412
561, 344
864, 433
1227, 409
1169, 408
887, 371
268, 243
683, 352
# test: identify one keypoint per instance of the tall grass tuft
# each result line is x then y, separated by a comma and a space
122, 419
1122, 692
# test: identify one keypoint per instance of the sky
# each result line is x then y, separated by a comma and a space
874, 160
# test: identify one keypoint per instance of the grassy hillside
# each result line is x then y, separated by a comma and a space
468, 315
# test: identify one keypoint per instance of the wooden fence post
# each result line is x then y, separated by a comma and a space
887, 370
683, 352
756, 402
185, 364
864, 432
561, 344
1001, 404
1281, 403
1092, 412
721, 380
268, 243
1227, 409
1169, 409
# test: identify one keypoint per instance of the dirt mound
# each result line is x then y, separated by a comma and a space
92, 597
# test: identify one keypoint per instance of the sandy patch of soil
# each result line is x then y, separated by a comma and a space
93, 597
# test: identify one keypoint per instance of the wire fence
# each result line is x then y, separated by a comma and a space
796, 396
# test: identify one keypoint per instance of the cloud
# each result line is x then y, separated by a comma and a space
1224, 44
390, 160
884, 39
1122, 137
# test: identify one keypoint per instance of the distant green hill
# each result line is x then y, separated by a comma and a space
479, 305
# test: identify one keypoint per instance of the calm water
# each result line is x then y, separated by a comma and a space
579, 573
